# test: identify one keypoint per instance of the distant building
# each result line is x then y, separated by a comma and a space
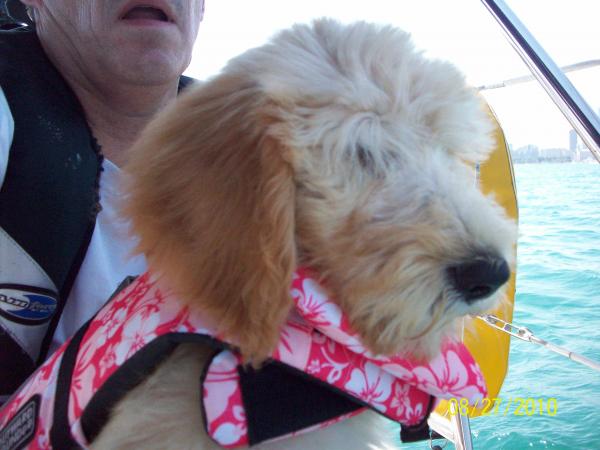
533, 154
578, 148
526, 154
577, 152
572, 140
556, 155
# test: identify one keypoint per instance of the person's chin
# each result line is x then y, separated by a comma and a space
148, 55
151, 66
141, 32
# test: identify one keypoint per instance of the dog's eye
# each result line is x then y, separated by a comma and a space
365, 159
367, 162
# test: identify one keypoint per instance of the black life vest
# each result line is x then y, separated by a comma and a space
48, 203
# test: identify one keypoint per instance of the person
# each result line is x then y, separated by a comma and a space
75, 91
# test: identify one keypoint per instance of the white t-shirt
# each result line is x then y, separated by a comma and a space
108, 259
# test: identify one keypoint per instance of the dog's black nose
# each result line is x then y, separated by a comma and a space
480, 277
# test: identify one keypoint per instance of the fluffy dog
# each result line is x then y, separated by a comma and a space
335, 147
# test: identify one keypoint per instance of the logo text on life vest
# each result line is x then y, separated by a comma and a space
26, 305
21, 429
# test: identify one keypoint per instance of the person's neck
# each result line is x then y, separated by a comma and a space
116, 110
117, 117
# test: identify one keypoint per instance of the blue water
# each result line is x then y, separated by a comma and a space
558, 298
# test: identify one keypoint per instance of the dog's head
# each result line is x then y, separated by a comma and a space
335, 147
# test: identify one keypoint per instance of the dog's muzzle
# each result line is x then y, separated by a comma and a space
479, 278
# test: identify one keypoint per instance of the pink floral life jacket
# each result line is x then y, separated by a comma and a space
66, 402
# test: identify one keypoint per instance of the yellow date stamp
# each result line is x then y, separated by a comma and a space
517, 406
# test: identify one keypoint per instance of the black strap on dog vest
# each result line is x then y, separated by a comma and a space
279, 400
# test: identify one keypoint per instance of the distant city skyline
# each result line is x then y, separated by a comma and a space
534, 154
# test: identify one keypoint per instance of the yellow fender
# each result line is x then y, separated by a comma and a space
488, 346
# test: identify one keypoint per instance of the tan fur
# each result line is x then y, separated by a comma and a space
212, 198
335, 147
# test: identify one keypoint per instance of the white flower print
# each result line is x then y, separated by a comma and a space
371, 385
113, 323
413, 414
136, 333
400, 399
316, 307
355, 345
82, 389
229, 433
239, 413
294, 345
43, 440
446, 377
107, 360
399, 371
319, 338
479, 377
314, 366
220, 384
109, 325
337, 368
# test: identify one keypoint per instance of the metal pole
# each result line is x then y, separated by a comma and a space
582, 118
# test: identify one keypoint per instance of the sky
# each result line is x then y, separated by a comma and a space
460, 31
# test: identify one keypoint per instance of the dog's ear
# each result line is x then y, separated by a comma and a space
211, 198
